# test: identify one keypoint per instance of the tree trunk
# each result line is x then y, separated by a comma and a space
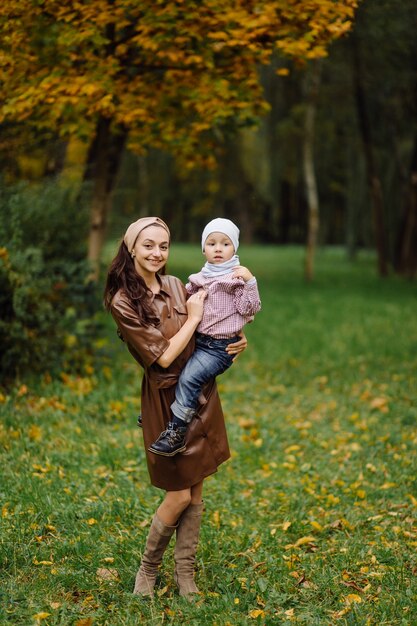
236, 194
355, 183
143, 185
274, 92
374, 182
102, 165
312, 82
407, 240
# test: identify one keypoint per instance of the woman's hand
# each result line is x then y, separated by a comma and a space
195, 305
238, 347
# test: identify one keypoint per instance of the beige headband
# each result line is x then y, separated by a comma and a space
136, 228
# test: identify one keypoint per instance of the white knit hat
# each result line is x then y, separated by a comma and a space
221, 225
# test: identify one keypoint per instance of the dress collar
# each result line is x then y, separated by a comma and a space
162, 282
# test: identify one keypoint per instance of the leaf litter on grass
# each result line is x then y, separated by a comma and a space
312, 521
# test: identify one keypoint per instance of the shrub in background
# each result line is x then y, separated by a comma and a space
47, 304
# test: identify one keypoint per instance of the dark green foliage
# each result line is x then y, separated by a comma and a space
46, 302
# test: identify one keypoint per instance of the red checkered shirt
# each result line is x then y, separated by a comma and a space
230, 303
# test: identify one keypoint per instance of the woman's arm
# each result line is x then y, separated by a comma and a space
179, 341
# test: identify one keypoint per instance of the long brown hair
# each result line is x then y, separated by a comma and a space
122, 275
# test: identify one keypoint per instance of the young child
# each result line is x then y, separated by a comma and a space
231, 300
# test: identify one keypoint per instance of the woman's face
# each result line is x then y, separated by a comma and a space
151, 250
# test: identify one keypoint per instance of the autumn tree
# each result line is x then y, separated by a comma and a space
150, 73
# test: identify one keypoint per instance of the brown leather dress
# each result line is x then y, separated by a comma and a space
206, 441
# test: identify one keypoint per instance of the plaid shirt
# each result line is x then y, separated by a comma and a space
230, 303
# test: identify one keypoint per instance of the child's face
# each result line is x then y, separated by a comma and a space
218, 248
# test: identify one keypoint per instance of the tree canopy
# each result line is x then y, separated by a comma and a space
166, 71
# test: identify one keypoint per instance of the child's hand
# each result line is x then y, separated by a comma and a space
242, 272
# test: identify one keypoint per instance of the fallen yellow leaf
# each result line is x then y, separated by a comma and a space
381, 404
353, 598
107, 574
50, 528
40, 616
246, 423
341, 613
294, 448
35, 432
303, 540
412, 498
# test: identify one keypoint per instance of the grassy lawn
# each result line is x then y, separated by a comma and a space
312, 521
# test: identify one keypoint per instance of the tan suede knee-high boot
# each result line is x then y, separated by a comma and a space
156, 544
185, 548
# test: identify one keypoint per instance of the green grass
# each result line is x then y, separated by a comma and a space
312, 521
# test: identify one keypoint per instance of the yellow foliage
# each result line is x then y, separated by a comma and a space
205, 56
80, 385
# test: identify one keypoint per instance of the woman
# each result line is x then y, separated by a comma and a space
157, 322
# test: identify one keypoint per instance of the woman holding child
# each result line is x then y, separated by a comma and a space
157, 320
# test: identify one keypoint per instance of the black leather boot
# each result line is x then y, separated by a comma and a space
170, 442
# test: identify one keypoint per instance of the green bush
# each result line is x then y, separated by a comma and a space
47, 304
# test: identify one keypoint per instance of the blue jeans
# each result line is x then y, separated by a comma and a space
208, 360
